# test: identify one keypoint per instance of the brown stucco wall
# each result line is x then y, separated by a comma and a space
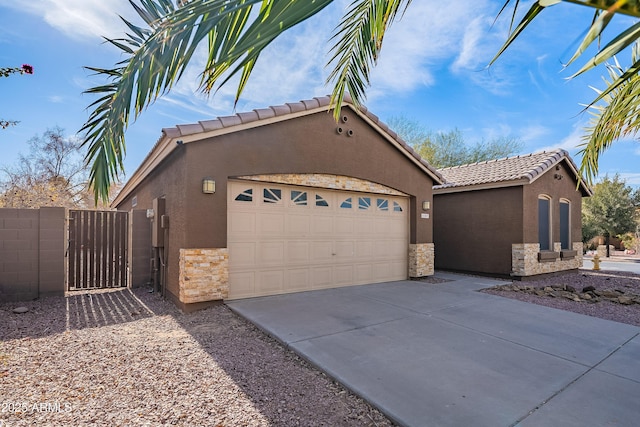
168, 180
32, 246
139, 248
474, 230
565, 188
307, 145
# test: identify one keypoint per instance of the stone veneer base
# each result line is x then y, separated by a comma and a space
421, 259
204, 275
524, 260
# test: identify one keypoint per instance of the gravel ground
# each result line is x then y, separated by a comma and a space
626, 283
131, 359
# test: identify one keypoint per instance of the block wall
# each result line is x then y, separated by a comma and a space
32, 248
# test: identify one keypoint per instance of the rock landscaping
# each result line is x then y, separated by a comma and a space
605, 294
588, 293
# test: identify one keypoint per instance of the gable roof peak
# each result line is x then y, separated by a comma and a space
173, 137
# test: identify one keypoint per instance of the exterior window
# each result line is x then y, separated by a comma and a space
364, 203
320, 201
397, 207
272, 195
299, 198
346, 204
383, 204
245, 196
544, 223
565, 225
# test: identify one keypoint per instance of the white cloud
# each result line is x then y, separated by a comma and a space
290, 69
416, 45
571, 141
531, 134
631, 178
79, 19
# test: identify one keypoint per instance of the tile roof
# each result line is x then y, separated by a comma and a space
255, 118
287, 109
508, 170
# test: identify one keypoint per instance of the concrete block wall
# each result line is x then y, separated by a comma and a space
32, 246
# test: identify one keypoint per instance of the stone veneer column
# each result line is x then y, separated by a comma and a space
421, 259
204, 275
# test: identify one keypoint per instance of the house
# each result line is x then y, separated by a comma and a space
518, 216
277, 200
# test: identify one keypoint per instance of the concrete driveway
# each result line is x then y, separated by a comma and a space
446, 355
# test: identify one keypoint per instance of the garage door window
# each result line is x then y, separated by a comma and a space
364, 203
299, 198
321, 202
272, 195
397, 207
245, 196
346, 204
383, 204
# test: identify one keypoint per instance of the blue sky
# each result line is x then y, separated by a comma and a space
432, 70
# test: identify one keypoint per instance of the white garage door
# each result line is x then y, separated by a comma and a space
283, 238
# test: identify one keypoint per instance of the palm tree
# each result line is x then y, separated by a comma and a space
618, 114
157, 55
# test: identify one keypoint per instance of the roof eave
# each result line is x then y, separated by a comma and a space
475, 187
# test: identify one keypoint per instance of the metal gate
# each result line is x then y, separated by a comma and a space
97, 249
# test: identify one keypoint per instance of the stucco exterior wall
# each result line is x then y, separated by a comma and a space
474, 230
301, 147
168, 180
304, 145
556, 189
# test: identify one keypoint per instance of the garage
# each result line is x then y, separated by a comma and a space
280, 199
285, 238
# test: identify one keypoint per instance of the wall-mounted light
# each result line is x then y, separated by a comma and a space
426, 205
208, 185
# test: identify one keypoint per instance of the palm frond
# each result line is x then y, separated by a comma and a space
359, 39
617, 117
158, 56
